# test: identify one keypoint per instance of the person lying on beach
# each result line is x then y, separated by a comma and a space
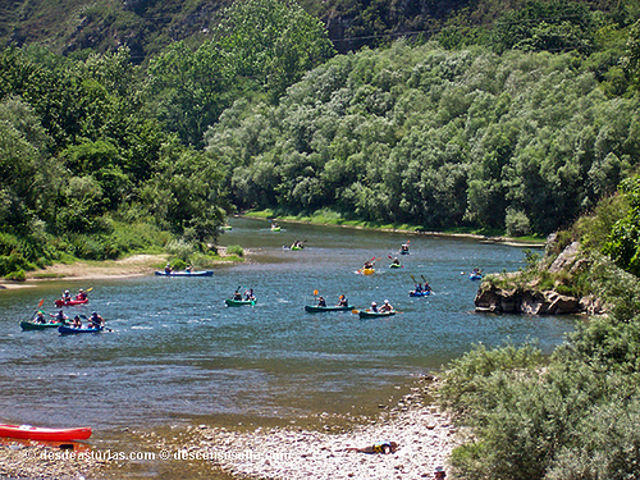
386, 448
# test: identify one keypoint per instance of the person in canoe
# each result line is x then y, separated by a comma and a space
189, 269
368, 265
96, 320
386, 307
342, 301
66, 296
82, 295
404, 248
322, 302
395, 261
249, 296
60, 317
77, 323
237, 296
427, 287
374, 307
40, 318
167, 268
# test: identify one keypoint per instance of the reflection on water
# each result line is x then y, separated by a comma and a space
179, 354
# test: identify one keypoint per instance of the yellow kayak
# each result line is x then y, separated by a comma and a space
366, 271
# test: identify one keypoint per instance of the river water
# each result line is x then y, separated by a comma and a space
179, 356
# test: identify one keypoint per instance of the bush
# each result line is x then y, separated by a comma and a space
517, 223
235, 250
178, 263
17, 276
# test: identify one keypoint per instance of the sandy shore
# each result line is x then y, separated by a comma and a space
424, 434
133, 266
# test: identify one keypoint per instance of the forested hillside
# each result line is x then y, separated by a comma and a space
423, 136
147, 26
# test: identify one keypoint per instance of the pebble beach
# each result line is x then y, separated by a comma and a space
424, 434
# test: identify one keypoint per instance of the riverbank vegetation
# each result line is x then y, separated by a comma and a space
571, 415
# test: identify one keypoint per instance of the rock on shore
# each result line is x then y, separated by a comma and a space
424, 434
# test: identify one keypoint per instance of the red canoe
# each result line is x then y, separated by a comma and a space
52, 434
70, 303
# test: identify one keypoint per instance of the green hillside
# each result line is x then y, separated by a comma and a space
147, 26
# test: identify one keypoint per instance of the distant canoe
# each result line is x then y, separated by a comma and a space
238, 303
370, 314
318, 309
39, 326
419, 294
198, 273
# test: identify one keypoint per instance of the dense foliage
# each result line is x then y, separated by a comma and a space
572, 416
261, 46
435, 138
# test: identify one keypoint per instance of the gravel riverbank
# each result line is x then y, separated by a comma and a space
424, 434
24, 460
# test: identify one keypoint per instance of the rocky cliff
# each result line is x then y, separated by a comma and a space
548, 288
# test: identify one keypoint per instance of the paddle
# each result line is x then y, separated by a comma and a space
40, 303
413, 278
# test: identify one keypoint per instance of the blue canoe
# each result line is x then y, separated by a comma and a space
419, 294
475, 276
198, 273
70, 330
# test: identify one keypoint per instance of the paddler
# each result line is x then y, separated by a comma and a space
374, 307
342, 301
167, 268
395, 261
248, 295
40, 317
322, 302
96, 320
82, 295
237, 296
60, 317
386, 307
404, 248
66, 296
77, 323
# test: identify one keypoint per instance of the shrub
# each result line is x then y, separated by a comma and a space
235, 250
517, 223
17, 276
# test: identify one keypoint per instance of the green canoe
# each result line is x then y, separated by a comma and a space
316, 309
369, 314
39, 326
238, 303
395, 265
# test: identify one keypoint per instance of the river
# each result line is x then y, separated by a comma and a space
179, 356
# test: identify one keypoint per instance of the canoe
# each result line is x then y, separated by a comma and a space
64, 330
29, 432
317, 309
296, 248
395, 265
226, 228
196, 273
39, 326
475, 277
238, 303
370, 314
276, 229
403, 252
419, 294
70, 303
366, 271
